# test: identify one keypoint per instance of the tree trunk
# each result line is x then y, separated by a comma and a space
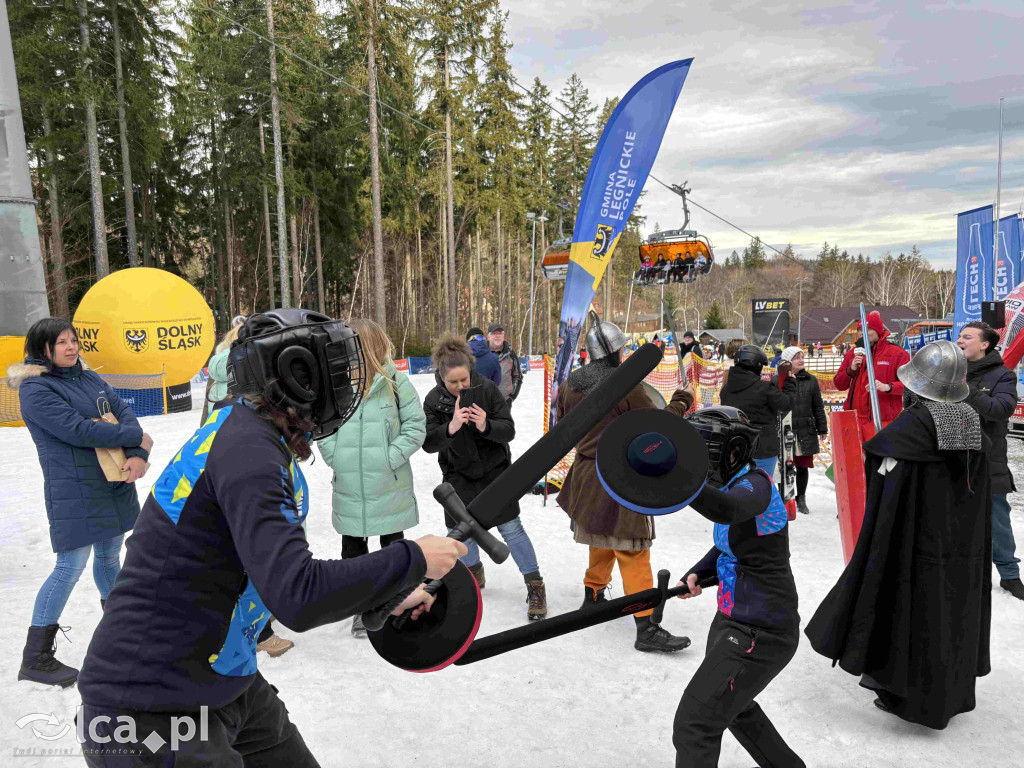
230, 224
122, 124
147, 221
275, 108
266, 224
419, 274
296, 267
319, 260
478, 309
59, 273
217, 161
99, 221
450, 282
379, 313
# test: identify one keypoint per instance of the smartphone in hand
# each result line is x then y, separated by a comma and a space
467, 397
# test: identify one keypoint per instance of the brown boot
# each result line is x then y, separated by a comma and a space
275, 646
478, 573
537, 598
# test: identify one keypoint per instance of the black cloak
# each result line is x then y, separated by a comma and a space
912, 610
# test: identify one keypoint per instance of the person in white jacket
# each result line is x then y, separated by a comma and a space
374, 493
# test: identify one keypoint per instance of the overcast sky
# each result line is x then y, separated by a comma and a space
870, 124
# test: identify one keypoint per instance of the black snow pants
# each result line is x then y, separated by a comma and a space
253, 731
739, 662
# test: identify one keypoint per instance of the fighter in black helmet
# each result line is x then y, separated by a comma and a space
219, 548
762, 402
756, 630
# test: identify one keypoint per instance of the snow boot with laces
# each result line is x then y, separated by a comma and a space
537, 599
592, 597
478, 573
652, 637
38, 660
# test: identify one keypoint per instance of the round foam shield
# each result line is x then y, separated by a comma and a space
439, 637
652, 462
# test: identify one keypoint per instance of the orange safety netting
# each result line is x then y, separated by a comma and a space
707, 378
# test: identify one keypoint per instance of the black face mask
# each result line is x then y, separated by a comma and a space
316, 368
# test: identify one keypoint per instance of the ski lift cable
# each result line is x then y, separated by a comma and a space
380, 101
669, 187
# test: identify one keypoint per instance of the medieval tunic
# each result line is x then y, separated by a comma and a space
911, 612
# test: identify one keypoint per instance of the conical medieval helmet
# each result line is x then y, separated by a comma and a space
937, 372
604, 339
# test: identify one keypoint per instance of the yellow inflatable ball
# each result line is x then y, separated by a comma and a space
143, 322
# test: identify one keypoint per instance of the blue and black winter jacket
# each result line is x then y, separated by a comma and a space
751, 552
487, 364
218, 549
59, 406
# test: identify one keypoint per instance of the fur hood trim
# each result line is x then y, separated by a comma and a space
19, 372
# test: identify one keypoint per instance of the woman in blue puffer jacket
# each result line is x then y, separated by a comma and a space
60, 402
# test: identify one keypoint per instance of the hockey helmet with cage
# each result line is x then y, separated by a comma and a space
730, 437
751, 358
297, 358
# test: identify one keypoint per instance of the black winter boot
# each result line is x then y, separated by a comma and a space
801, 505
651, 637
38, 663
478, 573
593, 597
1014, 587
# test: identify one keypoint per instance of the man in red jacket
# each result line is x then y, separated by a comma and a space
852, 376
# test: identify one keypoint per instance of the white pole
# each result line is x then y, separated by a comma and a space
533, 271
999, 189
628, 305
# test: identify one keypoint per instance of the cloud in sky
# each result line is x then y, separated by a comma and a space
868, 124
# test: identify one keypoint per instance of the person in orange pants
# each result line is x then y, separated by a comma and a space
613, 533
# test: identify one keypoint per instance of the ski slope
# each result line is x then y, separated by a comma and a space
584, 700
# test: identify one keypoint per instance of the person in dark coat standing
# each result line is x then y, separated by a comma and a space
808, 420
762, 402
471, 444
690, 345
993, 394
487, 363
508, 361
61, 403
613, 533
912, 610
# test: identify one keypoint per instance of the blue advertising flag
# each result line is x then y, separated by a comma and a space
973, 266
1008, 269
618, 172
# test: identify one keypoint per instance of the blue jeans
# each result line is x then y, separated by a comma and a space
519, 545
768, 465
56, 590
1003, 545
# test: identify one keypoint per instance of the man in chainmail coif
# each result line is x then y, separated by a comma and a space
911, 612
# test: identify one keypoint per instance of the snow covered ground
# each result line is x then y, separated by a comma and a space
587, 699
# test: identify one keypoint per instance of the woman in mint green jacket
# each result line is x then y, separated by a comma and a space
373, 485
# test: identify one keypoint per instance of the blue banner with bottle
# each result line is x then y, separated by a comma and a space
618, 172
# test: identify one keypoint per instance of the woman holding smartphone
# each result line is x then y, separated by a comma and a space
469, 427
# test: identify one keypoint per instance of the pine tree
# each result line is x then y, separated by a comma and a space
754, 255
574, 143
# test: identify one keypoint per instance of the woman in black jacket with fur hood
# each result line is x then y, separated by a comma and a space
471, 444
